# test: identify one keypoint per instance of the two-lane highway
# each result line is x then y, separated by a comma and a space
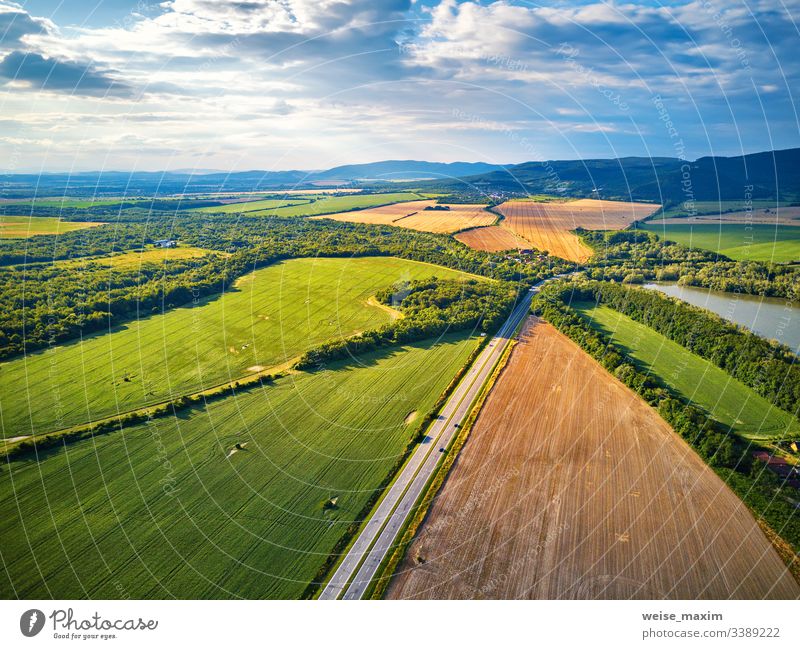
360, 564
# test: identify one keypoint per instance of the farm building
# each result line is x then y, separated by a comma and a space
789, 472
165, 243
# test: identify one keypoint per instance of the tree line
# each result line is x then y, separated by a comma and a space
770, 369
430, 308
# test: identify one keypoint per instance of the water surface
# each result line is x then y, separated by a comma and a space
772, 318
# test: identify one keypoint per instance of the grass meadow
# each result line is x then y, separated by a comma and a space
269, 318
135, 259
22, 227
333, 204
715, 207
162, 510
252, 206
727, 400
757, 242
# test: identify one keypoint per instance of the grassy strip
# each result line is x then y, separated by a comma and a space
338, 551
387, 569
727, 455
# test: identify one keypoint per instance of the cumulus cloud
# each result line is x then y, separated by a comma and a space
16, 24
75, 77
329, 76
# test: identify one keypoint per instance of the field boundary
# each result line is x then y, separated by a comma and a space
406, 535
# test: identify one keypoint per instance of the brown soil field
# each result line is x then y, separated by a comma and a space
779, 216
491, 239
571, 487
414, 216
547, 225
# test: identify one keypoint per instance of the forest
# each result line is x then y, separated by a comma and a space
55, 302
635, 256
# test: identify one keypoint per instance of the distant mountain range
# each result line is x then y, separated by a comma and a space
774, 174
193, 181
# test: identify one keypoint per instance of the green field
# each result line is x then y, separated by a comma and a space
273, 316
727, 400
716, 207
109, 518
757, 242
80, 203
251, 206
333, 204
22, 227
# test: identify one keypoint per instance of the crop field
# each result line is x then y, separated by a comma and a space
572, 487
136, 258
272, 316
80, 203
759, 242
22, 227
716, 208
768, 216
251, 206
548, 225
491, 239
727, 400
414, 216
168, 510
332, 204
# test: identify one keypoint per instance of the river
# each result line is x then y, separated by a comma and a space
772, 318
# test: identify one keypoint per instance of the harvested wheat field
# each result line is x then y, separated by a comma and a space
571, 487
414, 216
491, 239
547, 225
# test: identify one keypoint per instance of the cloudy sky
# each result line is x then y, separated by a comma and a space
309, 84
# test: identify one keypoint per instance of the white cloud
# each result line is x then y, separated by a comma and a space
299, 80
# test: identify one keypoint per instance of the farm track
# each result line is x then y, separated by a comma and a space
571, 487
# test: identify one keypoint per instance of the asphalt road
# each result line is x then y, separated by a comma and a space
359, 566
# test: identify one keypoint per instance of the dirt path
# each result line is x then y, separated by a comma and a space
571, 487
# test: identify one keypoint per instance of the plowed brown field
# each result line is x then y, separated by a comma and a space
571, 487
547, 225
491, 239
414, 216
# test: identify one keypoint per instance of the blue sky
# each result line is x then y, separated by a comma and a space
278, 84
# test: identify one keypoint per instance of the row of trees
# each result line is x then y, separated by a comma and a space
771, 370
430, 308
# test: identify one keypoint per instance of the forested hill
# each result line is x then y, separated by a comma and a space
772, 175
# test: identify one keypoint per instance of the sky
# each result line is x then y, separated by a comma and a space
310, 84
